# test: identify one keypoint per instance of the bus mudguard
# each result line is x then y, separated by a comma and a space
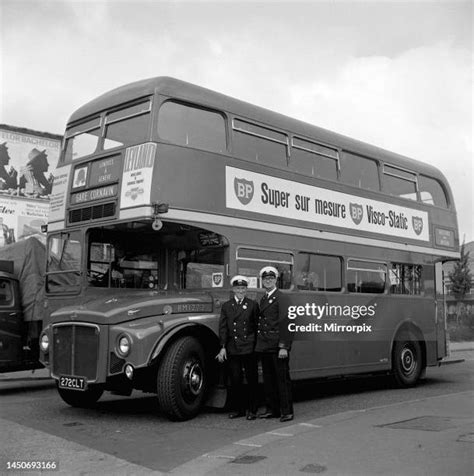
199, 330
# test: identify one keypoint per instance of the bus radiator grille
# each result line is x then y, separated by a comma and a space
75, 351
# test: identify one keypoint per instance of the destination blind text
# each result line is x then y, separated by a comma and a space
96, 194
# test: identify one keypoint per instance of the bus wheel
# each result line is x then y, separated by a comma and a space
80, 399
181, 379
407, 362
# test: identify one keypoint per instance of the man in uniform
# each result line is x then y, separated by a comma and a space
237, 331
273, 347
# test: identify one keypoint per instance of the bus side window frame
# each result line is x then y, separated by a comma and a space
265, 262
358, 288
297, 272
400, 286
7, 297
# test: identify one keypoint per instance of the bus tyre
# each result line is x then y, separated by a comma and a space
80, 399
407, 361
181, 379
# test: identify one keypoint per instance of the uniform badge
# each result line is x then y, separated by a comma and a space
270, 301
244, 306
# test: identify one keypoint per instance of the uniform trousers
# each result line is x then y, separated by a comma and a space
276, 383
242, 399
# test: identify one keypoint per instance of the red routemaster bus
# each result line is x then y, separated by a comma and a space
164, 190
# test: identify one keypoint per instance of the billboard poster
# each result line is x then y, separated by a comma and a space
21, 217
27, 159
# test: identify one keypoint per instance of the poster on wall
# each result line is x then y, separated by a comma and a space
27, 161
21, 217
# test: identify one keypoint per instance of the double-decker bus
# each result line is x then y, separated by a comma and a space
164, 190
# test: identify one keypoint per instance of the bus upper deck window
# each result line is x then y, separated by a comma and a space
128, 126
399, 182
359, 171
82, 140
260, 144
432, 192
192, 126
311, 158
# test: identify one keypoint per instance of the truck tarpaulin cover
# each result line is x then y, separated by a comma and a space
29, 258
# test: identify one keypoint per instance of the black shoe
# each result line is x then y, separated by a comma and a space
288, 417
251, 416
268, 415
233, 415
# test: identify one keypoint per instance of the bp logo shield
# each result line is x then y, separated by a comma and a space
417, 223
357, 212
243, 190
217, 280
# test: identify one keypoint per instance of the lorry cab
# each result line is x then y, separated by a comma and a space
15, 353
11, 317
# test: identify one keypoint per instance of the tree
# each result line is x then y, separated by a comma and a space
460, 278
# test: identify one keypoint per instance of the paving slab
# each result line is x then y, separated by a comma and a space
25, 445
429, 436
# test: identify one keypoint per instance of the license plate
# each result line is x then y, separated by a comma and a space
72, 383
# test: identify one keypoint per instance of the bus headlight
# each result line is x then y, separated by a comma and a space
124, 346
44, 342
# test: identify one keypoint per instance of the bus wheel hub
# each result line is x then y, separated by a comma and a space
408, 361
193, 377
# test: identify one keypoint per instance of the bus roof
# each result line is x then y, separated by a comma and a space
196, 94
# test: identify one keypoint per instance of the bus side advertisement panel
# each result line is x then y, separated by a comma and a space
264, 194
137, 175
57, 204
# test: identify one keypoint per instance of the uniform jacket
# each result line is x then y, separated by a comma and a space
238, 326
272, 332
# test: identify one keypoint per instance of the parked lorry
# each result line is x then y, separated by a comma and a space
22, 267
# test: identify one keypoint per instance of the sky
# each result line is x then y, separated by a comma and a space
396, 74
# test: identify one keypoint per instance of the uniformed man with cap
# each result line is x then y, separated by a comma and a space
237, 333
273, 347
